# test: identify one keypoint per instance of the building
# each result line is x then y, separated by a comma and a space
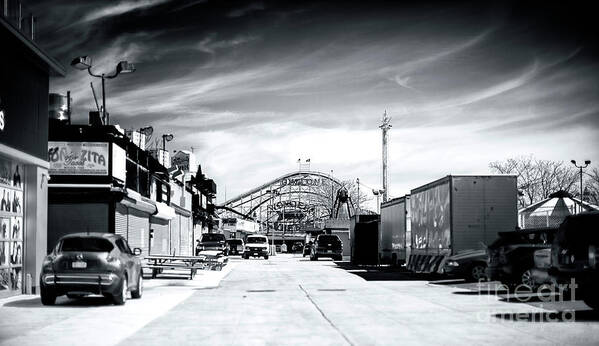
102, 182
24, 79
552, 211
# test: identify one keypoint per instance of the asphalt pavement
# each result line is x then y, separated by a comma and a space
291, 300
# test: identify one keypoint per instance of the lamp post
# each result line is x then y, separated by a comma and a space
358, 201
85, 63
586, 163
378, 194
166, 138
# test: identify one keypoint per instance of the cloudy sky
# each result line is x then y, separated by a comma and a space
253, 86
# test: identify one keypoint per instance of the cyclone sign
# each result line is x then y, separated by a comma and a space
301, 182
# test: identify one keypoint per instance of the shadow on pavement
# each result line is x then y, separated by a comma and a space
83, 302
555, 316
380, 273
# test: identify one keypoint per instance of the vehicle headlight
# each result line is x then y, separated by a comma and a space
452, 264
47, 264
593, 256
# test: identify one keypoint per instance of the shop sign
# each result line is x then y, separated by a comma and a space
78, 158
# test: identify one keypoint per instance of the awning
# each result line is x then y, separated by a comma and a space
164, 212
134, 200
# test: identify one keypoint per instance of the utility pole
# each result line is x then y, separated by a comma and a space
358, 201
385, 126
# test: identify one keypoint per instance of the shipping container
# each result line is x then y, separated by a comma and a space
395, 231
458, 213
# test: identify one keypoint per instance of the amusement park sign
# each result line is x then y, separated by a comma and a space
292, 205
301, 181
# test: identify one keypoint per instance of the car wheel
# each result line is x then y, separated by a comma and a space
48, 297
139, 290
266, 257
527, 279
478, 272
121, 297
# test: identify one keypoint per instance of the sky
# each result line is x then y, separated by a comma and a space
252, 86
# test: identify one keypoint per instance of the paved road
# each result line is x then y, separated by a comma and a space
290, 300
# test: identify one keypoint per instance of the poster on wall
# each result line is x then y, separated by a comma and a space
11, 227
78, 158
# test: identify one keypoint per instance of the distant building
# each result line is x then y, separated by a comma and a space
551, 211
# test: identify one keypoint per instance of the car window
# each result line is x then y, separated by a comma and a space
256, 240
122, 245
328, 238
91, 244
213, 237
234, 241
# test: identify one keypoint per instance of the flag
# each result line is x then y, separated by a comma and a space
308, 160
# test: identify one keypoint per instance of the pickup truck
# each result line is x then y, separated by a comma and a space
327, 245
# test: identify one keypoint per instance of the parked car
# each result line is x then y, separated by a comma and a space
235, 246
469, 264
214, 242
327, 245
256, 246
91, 263
575, 255
511, 257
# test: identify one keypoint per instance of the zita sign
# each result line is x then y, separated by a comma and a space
78, 158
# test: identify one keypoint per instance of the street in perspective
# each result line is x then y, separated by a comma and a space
325, 173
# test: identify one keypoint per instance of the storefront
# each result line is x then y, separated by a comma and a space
24, 79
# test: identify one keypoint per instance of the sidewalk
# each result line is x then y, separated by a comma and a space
204, 279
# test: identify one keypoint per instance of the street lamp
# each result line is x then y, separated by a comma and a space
85, 63
378, 193
166, 138
586, 163
358, 201
272, 241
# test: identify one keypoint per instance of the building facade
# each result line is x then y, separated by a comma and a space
24, 81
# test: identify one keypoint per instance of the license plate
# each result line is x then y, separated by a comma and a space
329, 251
255, 254
79, 264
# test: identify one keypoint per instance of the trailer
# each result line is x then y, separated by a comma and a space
364, 239
395, 231
458, 213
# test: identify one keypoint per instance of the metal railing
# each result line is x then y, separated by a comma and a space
17, 14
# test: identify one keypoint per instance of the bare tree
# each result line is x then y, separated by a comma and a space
537, 179
592, 185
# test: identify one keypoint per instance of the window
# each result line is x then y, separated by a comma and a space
91, 244
123, 246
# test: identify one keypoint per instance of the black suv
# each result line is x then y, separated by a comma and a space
91, 263
512, 256
327, 245
575, 255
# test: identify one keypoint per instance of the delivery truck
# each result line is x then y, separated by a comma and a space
459, 213
395, 235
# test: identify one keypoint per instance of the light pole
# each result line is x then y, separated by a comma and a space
358, 201
378, 194
85, 63
272, 241
166, 138
586, 163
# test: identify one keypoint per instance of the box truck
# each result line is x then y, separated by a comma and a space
458, 213
395, 235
